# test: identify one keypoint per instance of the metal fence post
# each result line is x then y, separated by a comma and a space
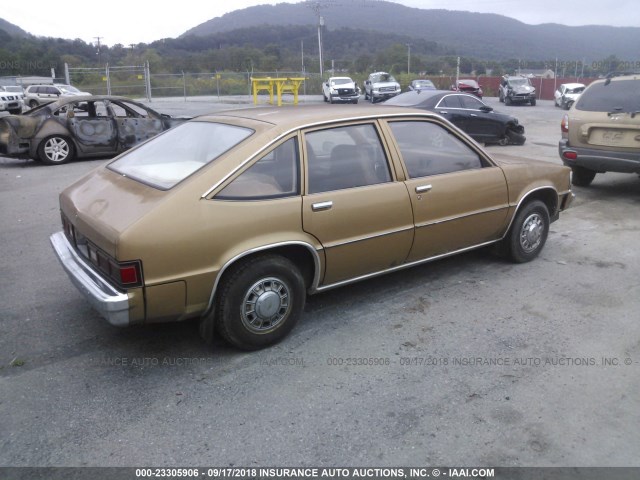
147, 80
67, 80
107, 74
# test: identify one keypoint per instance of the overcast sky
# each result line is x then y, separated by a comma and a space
136, 21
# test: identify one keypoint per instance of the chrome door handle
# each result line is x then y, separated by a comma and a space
423, 188
317, 207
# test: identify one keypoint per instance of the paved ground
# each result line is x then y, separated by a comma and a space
467, 361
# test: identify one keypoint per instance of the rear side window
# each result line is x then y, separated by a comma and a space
171, 157
618, 96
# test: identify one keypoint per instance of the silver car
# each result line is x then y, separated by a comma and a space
36, 95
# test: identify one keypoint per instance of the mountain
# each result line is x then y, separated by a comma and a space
11, 29
483, 35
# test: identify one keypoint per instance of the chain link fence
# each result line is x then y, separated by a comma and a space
138, 81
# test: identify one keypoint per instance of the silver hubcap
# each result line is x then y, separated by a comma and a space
56, 149
265, 305
531, 233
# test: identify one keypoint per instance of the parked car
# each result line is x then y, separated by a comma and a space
80, 126
340, 90
567, 94
515, 89
17, 89
380, 86
601, 132
468, 86
468, 113
421, 84
234, 217
11, 102
36, 95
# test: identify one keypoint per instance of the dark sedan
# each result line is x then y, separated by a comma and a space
468, 113
80, 126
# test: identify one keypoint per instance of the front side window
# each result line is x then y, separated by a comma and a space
171, 157
471, 103
276, 175
429, 149
345, 157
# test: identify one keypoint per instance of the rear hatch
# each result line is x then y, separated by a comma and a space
607, 116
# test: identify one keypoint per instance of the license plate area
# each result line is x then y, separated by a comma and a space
611, 137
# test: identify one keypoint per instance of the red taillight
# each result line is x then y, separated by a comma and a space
129, 274
569, 155
564, 126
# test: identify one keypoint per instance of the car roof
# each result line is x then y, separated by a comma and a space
293, 117
418, 98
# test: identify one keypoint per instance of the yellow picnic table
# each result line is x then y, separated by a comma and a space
280, 85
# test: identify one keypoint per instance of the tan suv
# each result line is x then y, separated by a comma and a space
601, 132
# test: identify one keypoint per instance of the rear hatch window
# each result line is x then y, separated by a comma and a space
171, 157
619, 96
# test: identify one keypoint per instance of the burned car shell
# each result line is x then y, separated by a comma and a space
80, 126
301, 201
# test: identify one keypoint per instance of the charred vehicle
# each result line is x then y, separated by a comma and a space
82, 126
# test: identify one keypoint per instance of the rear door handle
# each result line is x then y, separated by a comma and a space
423, 188
318, 207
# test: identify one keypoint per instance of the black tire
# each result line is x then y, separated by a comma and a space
56, 150
567, 106
582, 177
324, 97
373, 99
33, 103
528, 233
331, 99
507, 100
500, 98
355, 102
515, 138
533, 102
366, 95
270, 283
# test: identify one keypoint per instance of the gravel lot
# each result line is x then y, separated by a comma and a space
466, 361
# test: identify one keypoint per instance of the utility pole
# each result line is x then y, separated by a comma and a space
98, 52
316, 6
408, 58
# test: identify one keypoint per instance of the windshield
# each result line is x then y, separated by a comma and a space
519, 82
383, 77
171, 157
423, 83
618, 96
341, 81
575, 90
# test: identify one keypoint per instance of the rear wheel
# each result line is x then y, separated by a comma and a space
56, 150
260, 302
528, 233
582, 177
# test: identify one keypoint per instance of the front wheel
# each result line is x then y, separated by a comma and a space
56, 150
260, 302
515, 138
533, 102
33, 103
507, 100
528, 233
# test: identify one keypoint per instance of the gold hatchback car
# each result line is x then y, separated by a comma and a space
233, 218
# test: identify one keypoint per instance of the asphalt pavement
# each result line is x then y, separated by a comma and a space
466, 361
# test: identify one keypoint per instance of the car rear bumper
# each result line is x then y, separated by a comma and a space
111, 303
599, 160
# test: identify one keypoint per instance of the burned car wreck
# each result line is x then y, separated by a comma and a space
81, 126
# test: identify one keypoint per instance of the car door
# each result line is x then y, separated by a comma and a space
92, 127
134, 124
352, 205
459, 199
450, 107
